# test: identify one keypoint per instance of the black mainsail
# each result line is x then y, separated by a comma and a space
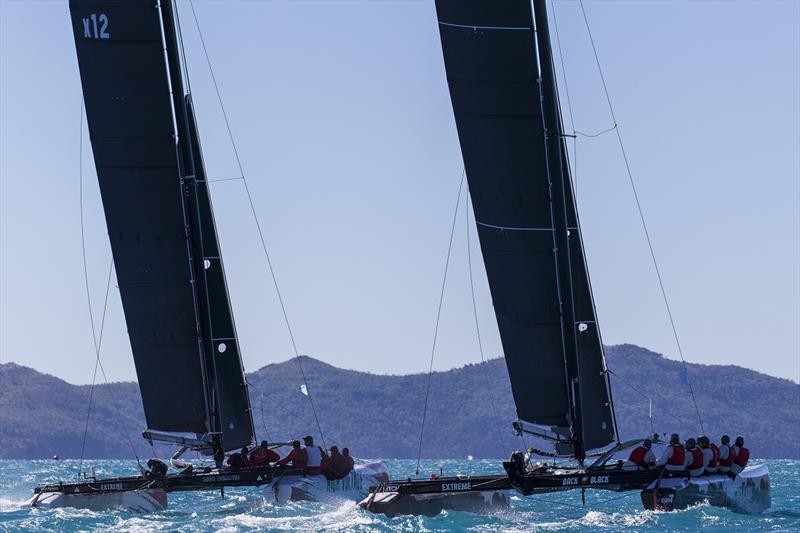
160, 221
505, 100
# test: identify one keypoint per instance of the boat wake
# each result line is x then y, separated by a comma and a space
302, 516
9, 505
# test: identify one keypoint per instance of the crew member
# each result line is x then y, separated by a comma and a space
695, 462
674, 457
726, 455
219, 457
262, 456
315, 455
348, 460
642, 456
297, 456
238, 460
710, 455
742, 456
335, 466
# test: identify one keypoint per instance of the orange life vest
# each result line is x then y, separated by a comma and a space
262, 456
697, 459
714, 458
742, 457
637, 456
678, 455
728, 461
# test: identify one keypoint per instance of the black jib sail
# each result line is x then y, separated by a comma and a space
160, 222
505, 100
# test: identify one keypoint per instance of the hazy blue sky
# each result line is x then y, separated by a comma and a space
344, 125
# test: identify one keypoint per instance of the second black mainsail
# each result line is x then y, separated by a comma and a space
160, 222
505, 101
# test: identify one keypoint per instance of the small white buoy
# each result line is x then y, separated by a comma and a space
470, 458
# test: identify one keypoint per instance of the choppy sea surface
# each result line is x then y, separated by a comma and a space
246, 510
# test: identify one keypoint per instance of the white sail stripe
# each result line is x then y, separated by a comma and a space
479, 27
511, 228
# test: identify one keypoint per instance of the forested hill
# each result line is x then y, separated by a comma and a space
379, 416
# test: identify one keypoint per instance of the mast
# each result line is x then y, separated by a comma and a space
230, 413
553, 141
188, 185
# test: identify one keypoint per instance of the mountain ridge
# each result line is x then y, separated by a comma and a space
377, 415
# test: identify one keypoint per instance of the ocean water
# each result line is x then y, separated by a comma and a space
245, 510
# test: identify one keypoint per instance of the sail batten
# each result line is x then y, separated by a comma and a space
527, 223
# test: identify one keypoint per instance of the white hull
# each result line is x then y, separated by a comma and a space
317, 488
394, 504
133, 501
749, 492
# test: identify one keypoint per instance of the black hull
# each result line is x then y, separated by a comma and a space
203, 480
483, 494
602, 479
478, 494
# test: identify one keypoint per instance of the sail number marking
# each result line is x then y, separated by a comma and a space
91, 29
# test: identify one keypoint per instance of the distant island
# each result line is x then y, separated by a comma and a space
379, 415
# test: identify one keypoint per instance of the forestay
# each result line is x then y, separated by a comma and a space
160, 223
509, 127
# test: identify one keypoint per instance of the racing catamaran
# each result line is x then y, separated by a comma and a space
502, 83
169, 267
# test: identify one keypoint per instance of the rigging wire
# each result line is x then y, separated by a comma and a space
98, 341
478, 331
258, 225
678, 419
598, 134
569, 102
438, 316
261, 406
642, 218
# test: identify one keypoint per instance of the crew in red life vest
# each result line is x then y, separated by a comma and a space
297, 456
642, 456
238, 460
710, 454
315, 455
742, 456
694, 459
334, 467
262, 456
726, 455
674, 458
